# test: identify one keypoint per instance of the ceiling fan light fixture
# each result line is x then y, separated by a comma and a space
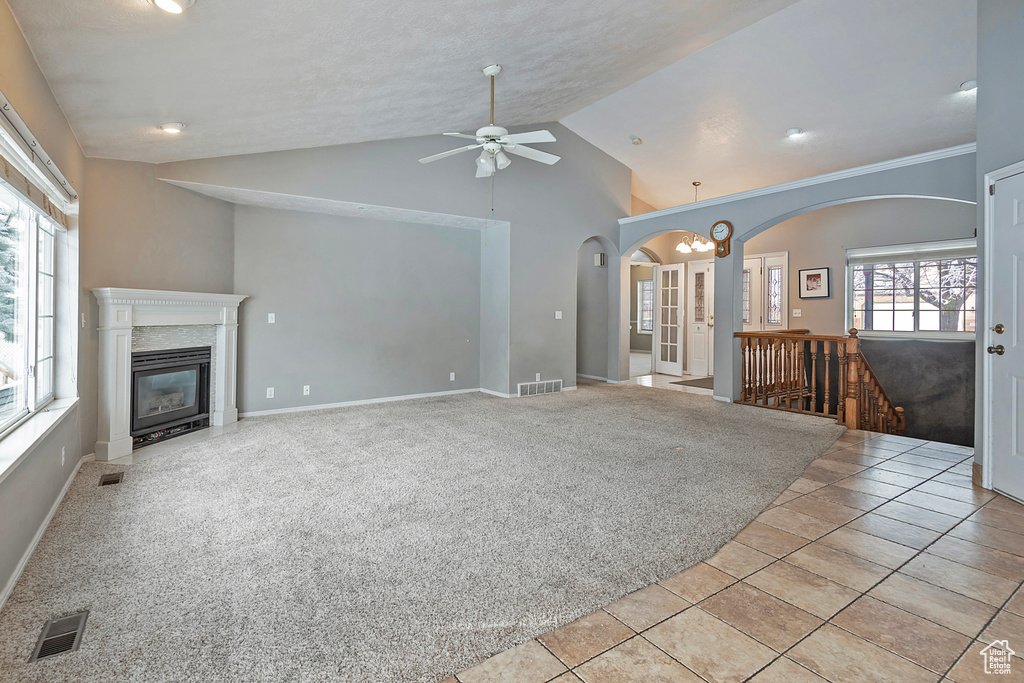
173, 6
502, 160
486, 162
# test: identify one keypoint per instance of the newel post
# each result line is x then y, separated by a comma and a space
852, 380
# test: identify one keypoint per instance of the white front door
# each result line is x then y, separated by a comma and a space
1006, 308
668, 336
700, 304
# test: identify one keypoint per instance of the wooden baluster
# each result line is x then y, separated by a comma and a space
841, 391
801, 378
825, 408
746, 369
814, 377
901, 421
852, 381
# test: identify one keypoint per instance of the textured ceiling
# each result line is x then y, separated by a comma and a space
261, 75
868, 80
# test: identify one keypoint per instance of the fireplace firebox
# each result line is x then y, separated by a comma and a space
170, 393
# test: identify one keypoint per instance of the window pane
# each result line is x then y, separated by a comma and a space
775, 295
15, 219
746, 296
44, 379
698, 297
859, 280
45, 247
882, 320
929, 273
929, 321
44, 338
45, 294
903, 321
647, 305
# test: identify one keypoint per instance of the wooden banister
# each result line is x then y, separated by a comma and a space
817, 374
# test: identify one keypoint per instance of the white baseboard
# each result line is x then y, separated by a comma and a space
345, 404
12, 582
723, 399
614, 381
495, 393
593, 377
565, 389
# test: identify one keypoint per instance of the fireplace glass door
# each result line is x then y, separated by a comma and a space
164, 395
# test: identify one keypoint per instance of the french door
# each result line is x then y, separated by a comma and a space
668, 332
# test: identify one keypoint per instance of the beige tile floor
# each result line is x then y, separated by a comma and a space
881, 563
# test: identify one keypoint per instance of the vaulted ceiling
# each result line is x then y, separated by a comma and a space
709, 85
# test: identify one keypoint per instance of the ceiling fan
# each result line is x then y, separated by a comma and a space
495, 141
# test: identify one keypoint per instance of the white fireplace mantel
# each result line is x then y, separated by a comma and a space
123, 309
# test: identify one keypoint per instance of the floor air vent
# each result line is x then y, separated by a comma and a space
60, 635
108, 479
553, 386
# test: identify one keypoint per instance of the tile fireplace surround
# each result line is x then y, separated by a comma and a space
122, 310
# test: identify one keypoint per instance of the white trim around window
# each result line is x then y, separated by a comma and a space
916, 278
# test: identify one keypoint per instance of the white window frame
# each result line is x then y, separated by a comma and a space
34, 399
923, 251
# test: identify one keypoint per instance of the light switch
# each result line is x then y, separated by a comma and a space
558, 315
798, 312
271, 318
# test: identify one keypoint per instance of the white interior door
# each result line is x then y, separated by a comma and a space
667, 346
1006, 303
753, 304
700, 321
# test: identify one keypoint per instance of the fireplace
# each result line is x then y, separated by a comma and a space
170, 393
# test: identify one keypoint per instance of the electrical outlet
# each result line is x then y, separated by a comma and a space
270, 392
558, 315
62, 456
271, 318
83, 321
798, 312
305, 390
538, 376
451, 377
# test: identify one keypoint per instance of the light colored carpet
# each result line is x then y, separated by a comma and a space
394, 542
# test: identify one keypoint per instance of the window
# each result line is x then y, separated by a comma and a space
26, 308
774, 295
645, 305
927, 289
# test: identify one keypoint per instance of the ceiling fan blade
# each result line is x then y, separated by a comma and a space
461, 135
534, 154
451, 152
530, 138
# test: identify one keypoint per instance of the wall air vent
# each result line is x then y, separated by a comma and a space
60, 635
553, 386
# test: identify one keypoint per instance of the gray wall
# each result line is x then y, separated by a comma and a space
933, 381
821, 238
364, 308
637, 205
1000, 136
30, 490
591, 312
581, 196
140, 232
495, 274
638, 341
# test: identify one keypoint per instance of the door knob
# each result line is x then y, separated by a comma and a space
998, 349
998, 329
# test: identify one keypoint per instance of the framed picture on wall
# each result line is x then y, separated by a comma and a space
815, 283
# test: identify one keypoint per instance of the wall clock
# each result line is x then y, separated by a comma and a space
721, 233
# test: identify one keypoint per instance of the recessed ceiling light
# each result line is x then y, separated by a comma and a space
793, 132
635, 140
968, 86
173, 6
173, 128
363, 208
